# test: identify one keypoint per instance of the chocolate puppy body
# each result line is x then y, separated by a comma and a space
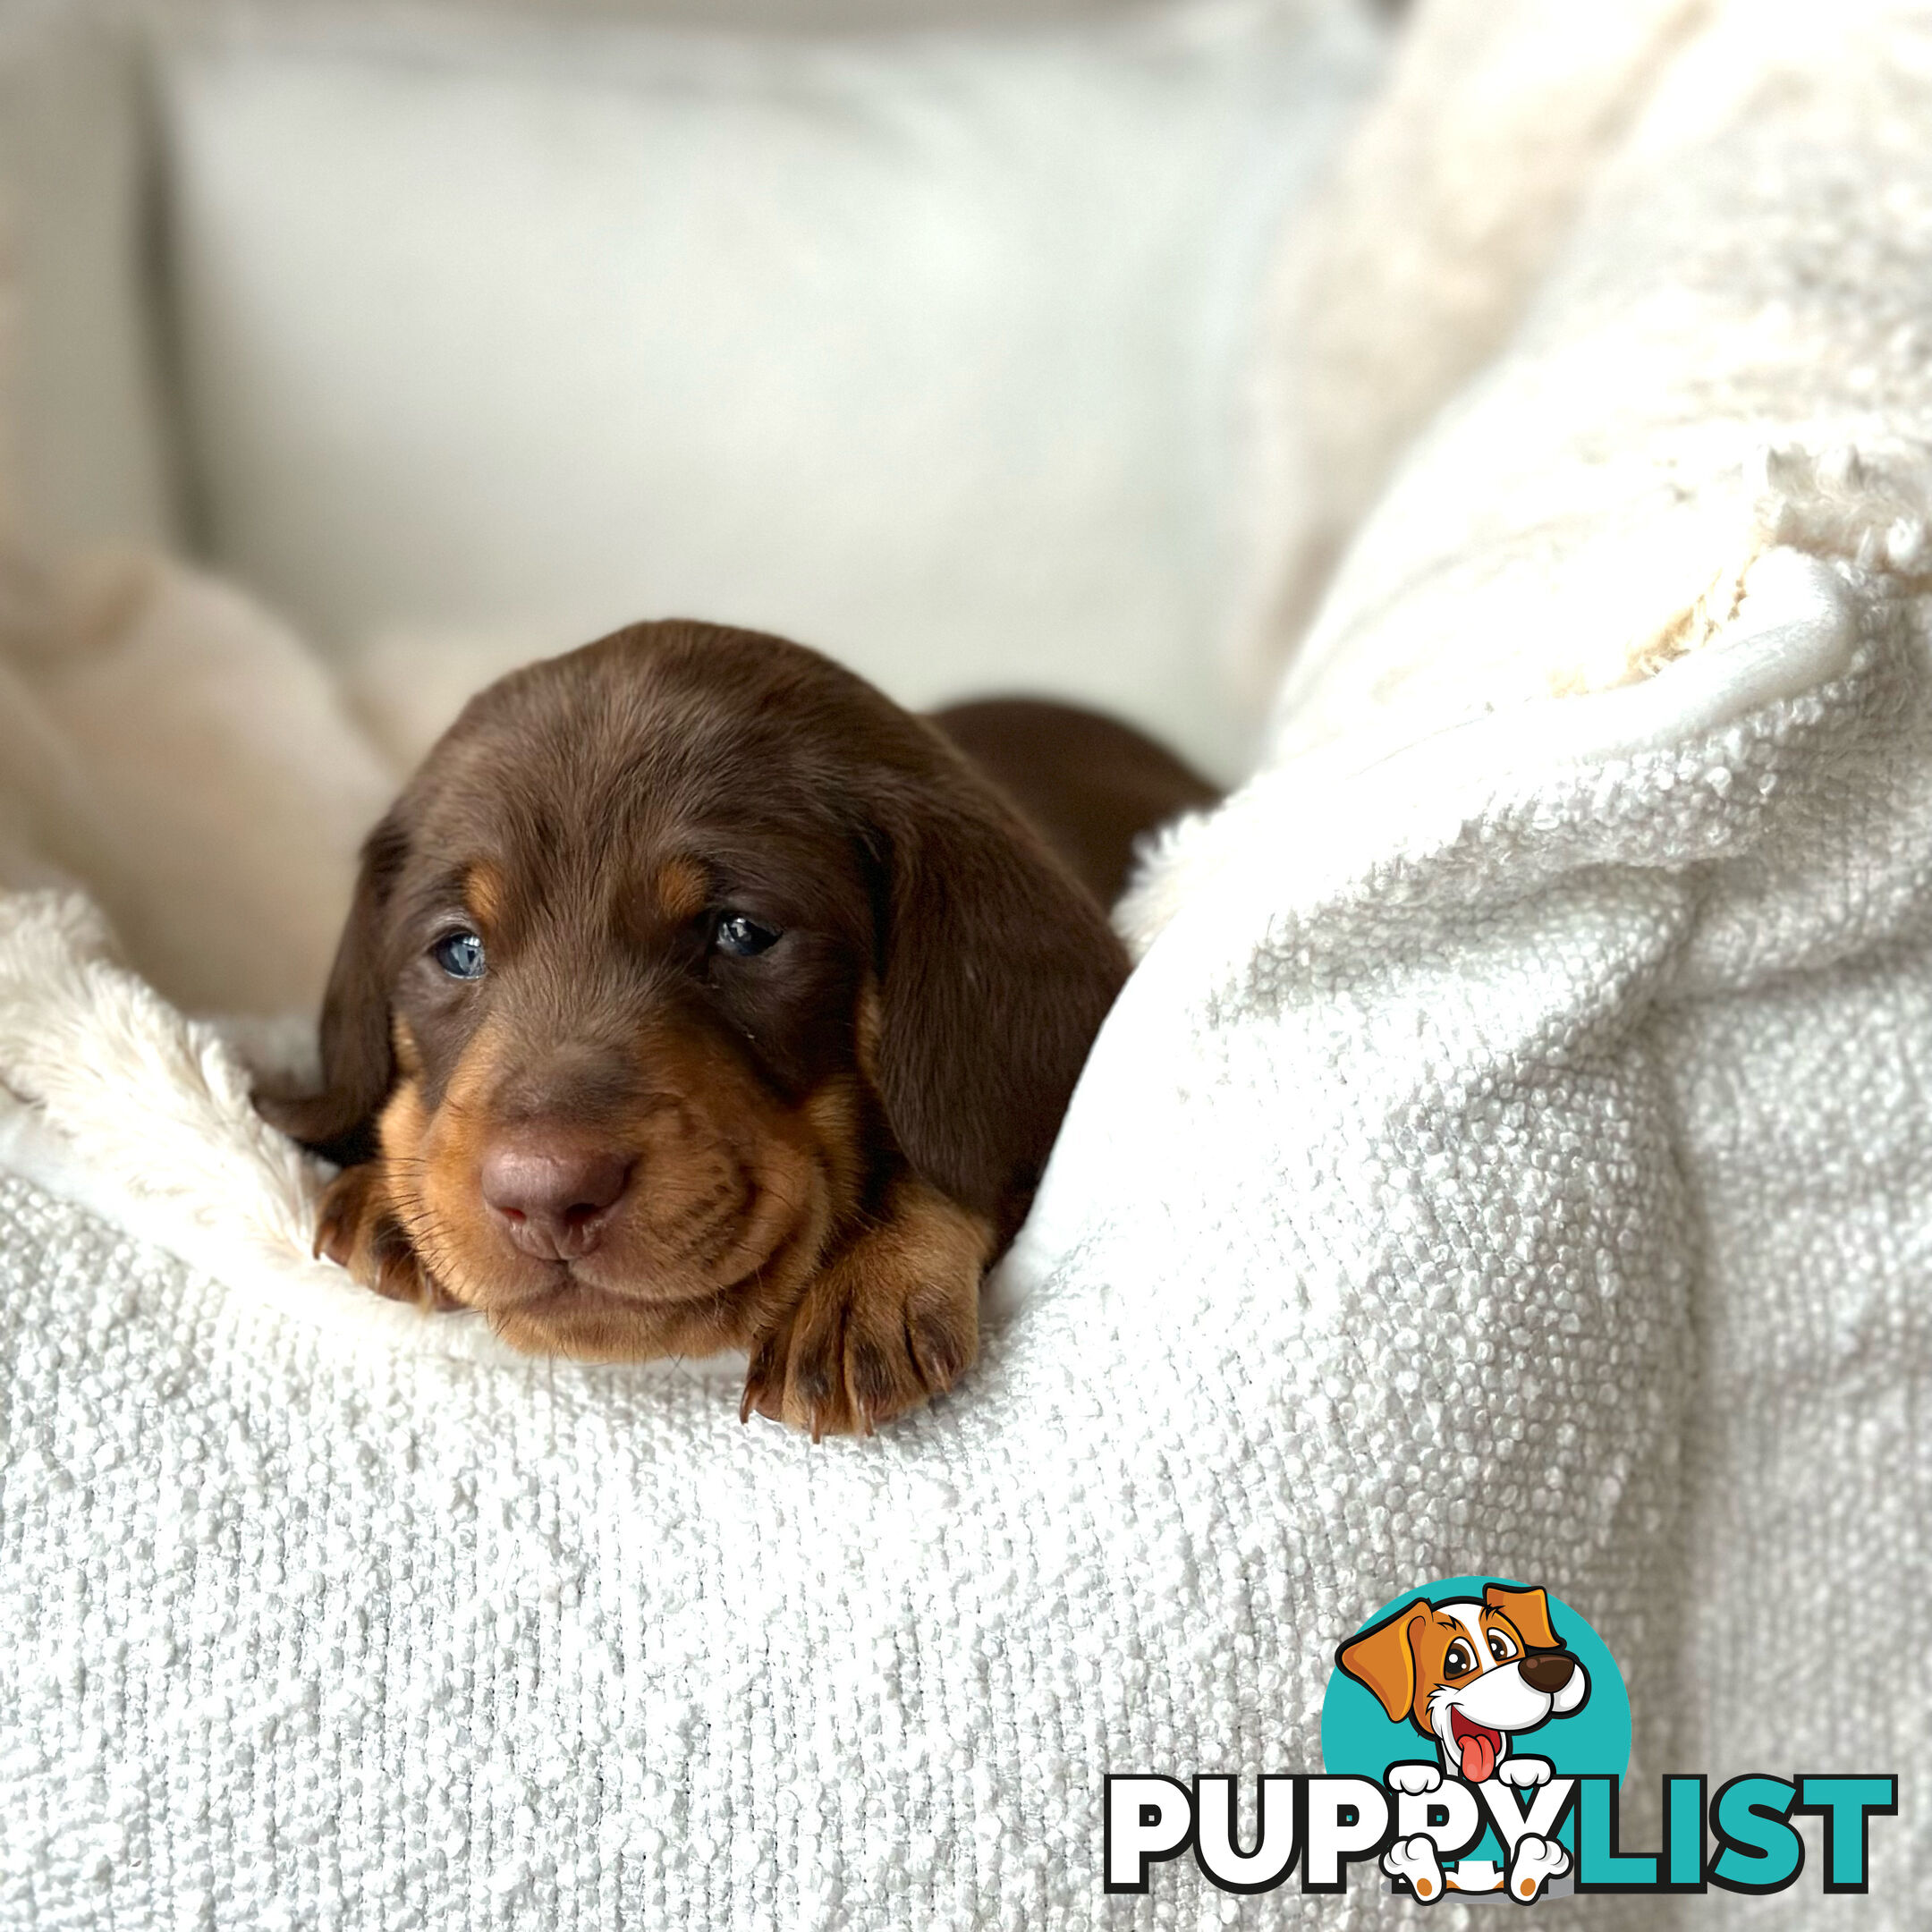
694, 995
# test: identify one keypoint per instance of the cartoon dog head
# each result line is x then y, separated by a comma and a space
1469, 1671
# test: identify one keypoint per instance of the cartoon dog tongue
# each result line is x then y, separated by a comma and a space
1479, 1748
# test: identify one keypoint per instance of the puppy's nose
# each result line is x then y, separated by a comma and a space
553, 1194
1549, 1673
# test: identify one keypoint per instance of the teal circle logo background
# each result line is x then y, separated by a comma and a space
1358, 1739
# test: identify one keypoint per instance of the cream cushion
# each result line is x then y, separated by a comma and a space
924, 348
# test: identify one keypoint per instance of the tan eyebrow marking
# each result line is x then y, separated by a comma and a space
683, 888
483, 891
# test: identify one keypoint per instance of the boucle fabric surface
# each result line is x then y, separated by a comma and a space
1369, 1256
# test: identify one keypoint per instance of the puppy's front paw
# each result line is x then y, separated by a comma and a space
1524, 1772
1414, 1861
1533, 1864
1414, 1779
891, 1318
357, 1227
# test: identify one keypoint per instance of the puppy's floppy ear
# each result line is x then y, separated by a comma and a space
358, 1067
1527, 1610
995, 970
1383, 1658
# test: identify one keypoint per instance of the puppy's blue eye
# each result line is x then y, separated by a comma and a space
742, 938
460, 954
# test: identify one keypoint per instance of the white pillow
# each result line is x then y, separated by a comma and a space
922, 348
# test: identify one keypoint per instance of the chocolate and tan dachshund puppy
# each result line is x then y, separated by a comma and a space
694, 995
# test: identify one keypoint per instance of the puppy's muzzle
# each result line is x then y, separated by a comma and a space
553, 1191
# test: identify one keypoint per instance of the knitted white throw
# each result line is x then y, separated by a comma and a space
1509, 1157
1370, 1255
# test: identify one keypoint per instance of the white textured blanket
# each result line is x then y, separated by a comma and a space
1509, 1157
1370, 1255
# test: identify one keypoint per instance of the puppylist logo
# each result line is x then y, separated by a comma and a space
1474, 1737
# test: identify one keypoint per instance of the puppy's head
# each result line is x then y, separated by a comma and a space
1468, 1671
673, 949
